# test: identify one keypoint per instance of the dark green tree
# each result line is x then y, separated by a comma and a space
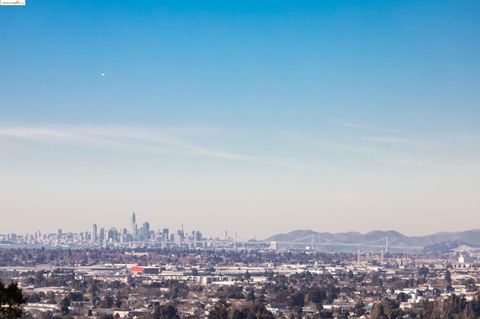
258, 310
378, 312
387, 309
296, 303
316, 295
92, 290
65, 306
331, 292
107, 301
359, 309
219, 310
297, 300
448, 281
250, 295
165, 311
237, 314
254, 310
472, 309
11, 301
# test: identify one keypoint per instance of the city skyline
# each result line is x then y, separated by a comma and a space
145, 236
256, 117
144, 231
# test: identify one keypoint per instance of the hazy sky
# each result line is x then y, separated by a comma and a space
249, 116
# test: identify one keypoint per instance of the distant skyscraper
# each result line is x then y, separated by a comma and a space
134, 218
124, 237
102, 236
166, 235
94, 233
146, 230
112, 235
134, 228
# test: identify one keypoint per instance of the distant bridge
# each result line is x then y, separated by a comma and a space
313, 242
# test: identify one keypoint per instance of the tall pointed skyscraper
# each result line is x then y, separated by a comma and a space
94, 234
134, 226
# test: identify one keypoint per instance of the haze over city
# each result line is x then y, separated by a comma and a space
254, 117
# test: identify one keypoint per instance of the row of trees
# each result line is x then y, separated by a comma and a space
67, 257
253, 310
220, 310
451, 308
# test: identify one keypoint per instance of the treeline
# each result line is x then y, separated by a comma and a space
220, 310
85, 256
453, 307
252, 310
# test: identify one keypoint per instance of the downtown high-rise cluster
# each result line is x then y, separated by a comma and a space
142, 234
135, 235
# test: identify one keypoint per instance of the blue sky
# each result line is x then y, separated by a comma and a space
210, 110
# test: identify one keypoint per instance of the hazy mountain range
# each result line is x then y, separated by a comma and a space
376, 240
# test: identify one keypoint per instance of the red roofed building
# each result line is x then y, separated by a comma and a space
144, 269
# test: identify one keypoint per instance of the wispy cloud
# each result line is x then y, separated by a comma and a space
369, 127
395, 140
166, 140
426, 163
387, 136
388, 149
33, 133
318, 142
